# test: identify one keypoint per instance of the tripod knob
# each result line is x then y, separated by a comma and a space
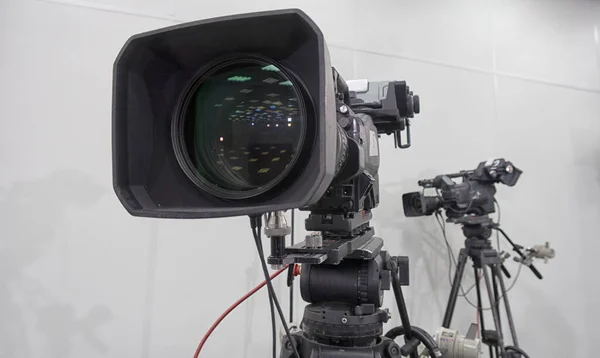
393, 350
491, 338
410, 347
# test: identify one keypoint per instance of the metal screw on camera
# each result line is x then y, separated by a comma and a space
277, 229
314, 240
344, 109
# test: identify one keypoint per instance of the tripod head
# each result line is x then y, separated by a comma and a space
340, 311
479, 228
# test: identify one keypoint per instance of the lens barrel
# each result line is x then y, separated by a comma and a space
417, 204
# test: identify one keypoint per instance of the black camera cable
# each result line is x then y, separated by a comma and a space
256, 224
272, 309
517, 350
291, 273
421, 335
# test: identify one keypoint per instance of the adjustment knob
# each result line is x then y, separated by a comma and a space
314, 240
416, 104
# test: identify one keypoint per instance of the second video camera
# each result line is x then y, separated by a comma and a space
473, 196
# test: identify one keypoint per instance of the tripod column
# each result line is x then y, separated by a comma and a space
511, 323
460, 270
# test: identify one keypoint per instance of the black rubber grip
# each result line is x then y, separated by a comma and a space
505, 270
535, 272
410, 347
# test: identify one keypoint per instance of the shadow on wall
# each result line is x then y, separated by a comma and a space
421, 239
548, 316
31, 212
591, 163
588, 196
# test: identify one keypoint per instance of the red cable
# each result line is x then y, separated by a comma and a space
237, 303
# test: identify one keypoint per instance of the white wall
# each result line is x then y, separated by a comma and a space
80, 278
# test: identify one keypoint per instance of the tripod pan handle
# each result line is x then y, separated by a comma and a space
535, 272
505, 270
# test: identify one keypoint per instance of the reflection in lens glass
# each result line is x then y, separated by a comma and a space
245, 125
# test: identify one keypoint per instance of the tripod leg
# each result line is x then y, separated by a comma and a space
460, 269
496, 295
402, 310
479, 305
511, 323
495, 314
480, 309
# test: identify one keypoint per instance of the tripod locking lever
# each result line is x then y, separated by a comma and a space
505, 271
409, 347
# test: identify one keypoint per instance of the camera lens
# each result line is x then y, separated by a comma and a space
241, 128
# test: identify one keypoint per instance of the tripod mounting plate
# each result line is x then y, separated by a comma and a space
365, 246
480, 220
475, 226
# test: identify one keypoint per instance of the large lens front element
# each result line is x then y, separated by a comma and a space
241, 128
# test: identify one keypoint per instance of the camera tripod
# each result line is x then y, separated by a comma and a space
477, 230
344, 273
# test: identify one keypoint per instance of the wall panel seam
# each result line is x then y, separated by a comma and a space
493, 72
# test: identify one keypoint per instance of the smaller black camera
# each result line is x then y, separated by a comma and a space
473, 196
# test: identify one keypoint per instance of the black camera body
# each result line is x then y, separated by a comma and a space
384, 108
473, 196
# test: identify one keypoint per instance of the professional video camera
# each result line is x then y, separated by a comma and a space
474, 195
469, 204
244, 115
